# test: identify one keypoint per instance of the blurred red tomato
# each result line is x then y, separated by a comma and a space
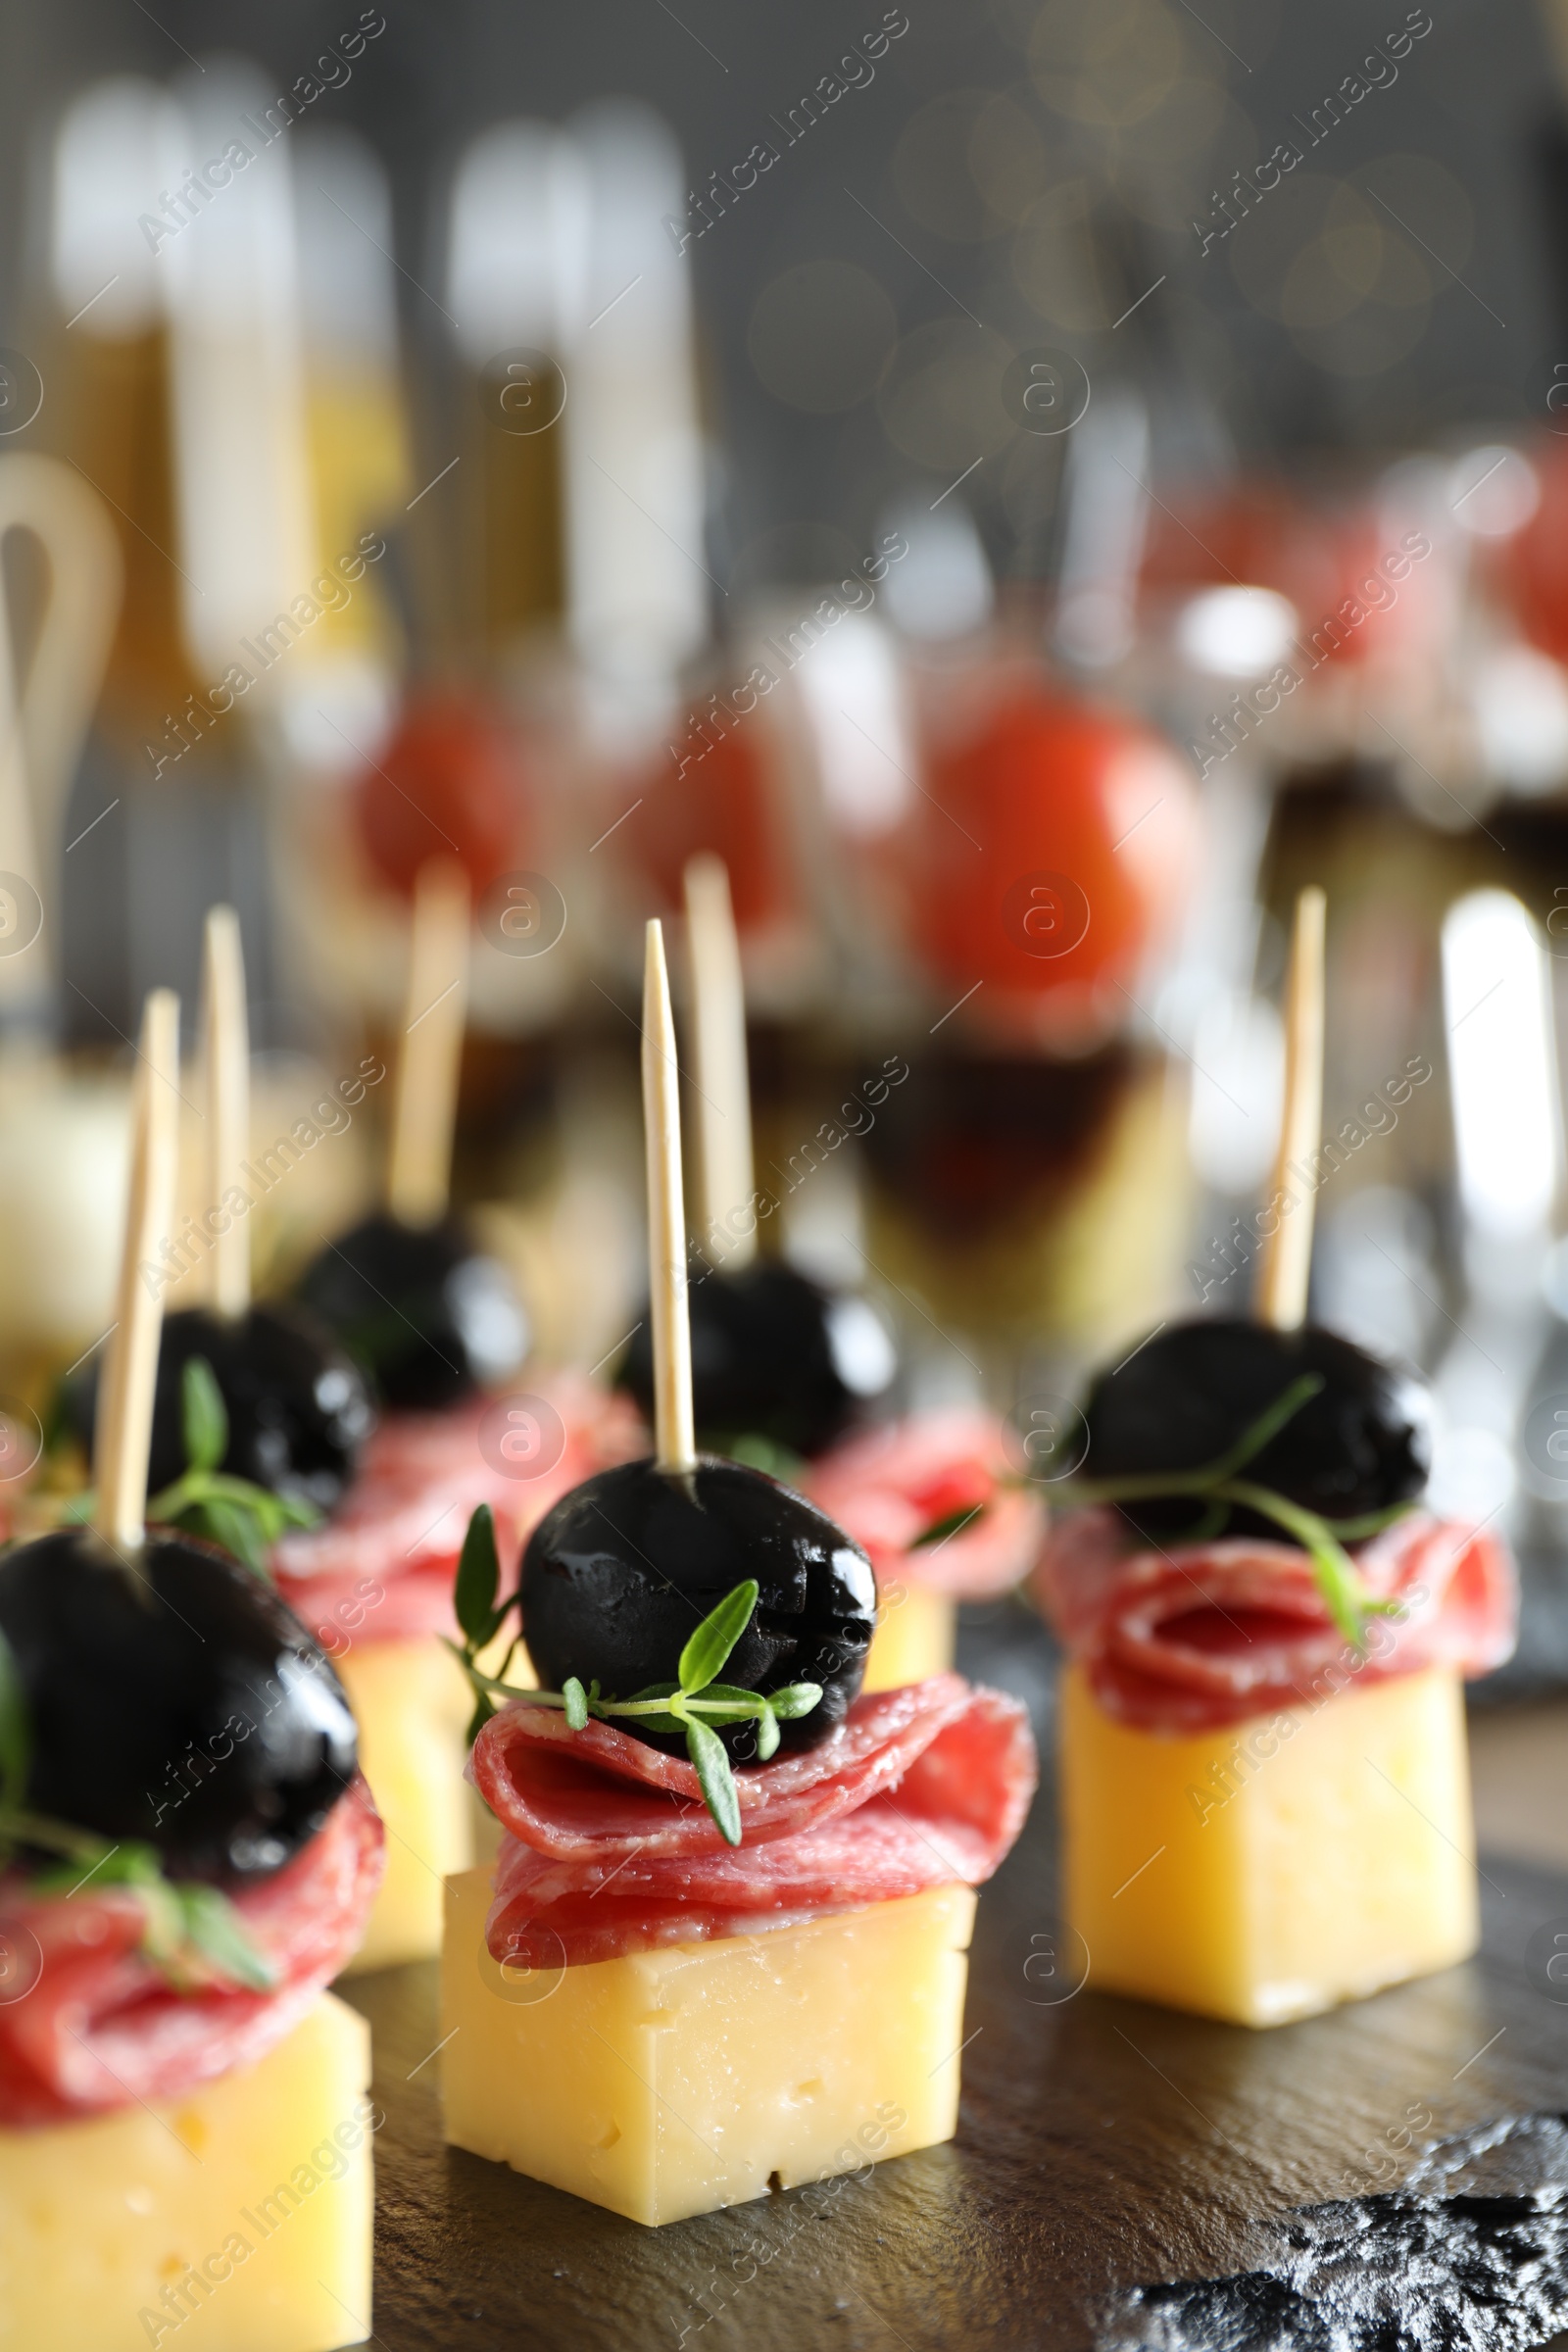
1253, 534
448, 784
1531, 567
1053, 852
1331, 563
723, 802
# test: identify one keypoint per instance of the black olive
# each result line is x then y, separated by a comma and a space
773, 1355
298, 1407
1181, 1402
428, 1317
174, 1700
617, 1577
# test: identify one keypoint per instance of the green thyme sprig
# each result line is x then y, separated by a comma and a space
692, 1705
238, 1516
1218, 1484
952, 1523
759, 1452
190, 1933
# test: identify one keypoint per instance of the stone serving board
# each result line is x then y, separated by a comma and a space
1393, 2175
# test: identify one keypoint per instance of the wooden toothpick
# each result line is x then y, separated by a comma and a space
426, 1100
1285, 1265
676, 1440
723, 1087
227, 1073
125, 1424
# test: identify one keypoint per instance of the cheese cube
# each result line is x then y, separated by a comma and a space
914, 1637
1273, 1868
675, 2082
412, 1704
234, 2220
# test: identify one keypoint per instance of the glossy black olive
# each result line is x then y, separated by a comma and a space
429, 1318
174, 1701
774, 1355
298, 1407
1362, 1443
617, 1577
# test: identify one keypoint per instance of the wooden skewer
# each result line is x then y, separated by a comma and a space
675, 1439
125, 1426
425, 1104
1285, 1265
723, 1087
226, 1062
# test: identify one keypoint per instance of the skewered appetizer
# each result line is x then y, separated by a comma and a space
775, 1358
429, 1319
783, 1370
755, 1949
779, 1363
432, 1323
426, 1318
292, 1407
188, 1857
1265, 1780
291, 1411
1029, 1179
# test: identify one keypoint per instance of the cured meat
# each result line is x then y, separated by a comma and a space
1210, 1634
100, 2026
382, 1568
888, 1486
917, 1788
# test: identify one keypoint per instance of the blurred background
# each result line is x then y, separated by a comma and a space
1028, 483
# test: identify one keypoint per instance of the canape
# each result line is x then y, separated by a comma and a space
1265, 1785
432, 1323
188, 1857
360, 1523
786, 1371
684, 1985
1264, 1781
685, 1982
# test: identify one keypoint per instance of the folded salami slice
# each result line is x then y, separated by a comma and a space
955, 1466
99, 2027
610, 1849
1205, 1634
382, 1568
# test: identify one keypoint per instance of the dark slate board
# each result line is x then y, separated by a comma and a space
1393, 2175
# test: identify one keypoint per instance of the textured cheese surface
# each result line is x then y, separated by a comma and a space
1337, 1863
914, 1637
413, 1707
236, 2220
674, 2082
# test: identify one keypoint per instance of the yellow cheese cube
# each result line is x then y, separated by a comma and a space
672, 2083
234, 2220
1271, 1869
915, 1632
412, 1704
